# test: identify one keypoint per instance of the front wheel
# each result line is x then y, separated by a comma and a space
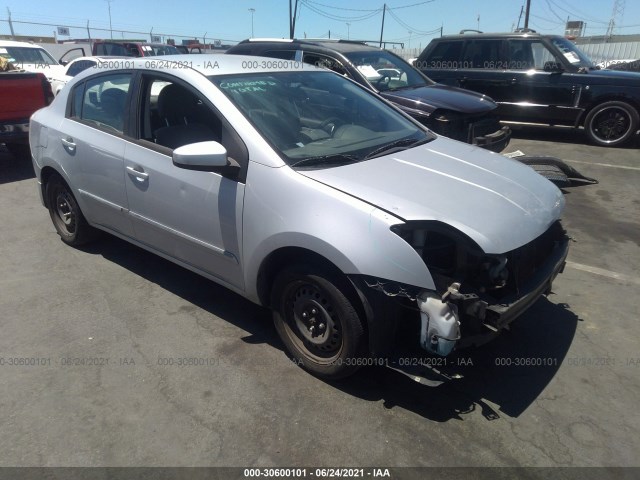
318, 324
611, 124
66, 215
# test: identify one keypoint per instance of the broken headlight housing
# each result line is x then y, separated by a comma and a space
452, 256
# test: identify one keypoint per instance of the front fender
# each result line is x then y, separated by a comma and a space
285, 209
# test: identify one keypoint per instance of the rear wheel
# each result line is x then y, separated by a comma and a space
611, 124
318, 324
65, 214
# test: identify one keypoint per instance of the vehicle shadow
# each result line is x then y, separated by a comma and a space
561, 135
14, 169
190, 286
510, 372
491, 373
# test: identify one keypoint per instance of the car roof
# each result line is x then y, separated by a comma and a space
342, 46
13, 43
476, 35
100, 58
210, 64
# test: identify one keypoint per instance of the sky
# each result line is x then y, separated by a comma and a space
412, 22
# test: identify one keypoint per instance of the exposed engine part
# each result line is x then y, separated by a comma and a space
468, 303
440, 327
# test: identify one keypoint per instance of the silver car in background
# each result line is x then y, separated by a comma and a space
303, 192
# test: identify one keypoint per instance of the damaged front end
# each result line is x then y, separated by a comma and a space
476, 294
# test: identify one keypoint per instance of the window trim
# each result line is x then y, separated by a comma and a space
135, 119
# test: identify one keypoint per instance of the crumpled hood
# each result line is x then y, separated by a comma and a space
498, 202
433, 97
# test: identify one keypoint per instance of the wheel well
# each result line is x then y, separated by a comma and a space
45, 176
275, 261
281, 257
600, 100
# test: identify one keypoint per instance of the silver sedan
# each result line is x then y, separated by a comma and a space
305, 193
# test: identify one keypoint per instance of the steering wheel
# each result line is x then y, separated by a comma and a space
383, 81
331, 124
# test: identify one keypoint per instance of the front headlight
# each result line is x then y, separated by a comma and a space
452, 256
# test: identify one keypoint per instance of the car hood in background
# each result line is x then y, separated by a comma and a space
617, 77
433, 97
498, 202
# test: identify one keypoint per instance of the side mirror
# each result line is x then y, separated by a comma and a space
553, 67
208, 156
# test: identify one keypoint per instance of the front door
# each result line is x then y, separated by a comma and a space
190, 215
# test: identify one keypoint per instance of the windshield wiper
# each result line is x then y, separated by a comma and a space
339, 158
397, 145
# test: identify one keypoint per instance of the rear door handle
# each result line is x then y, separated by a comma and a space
140, 175
68, 143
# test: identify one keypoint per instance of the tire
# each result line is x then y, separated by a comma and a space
318, 324
19, 150
66, 215
611, 124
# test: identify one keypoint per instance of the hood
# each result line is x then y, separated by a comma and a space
498, 202
433, 97
605, 77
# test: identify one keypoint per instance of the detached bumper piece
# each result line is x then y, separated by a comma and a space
484, 131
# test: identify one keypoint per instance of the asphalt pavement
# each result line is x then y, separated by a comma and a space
111, 356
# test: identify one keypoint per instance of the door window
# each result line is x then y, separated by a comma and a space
324, 62
174, 115
484, 54
541, 55
102, 101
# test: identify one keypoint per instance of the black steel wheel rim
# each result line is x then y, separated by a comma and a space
64, 211
312, 322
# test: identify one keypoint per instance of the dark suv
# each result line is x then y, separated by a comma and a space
540, 79
452, 112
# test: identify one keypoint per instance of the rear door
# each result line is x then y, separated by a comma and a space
90, 146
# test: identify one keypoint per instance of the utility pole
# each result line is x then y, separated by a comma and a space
526, 14
520, 16
110, 26
11, 24
292, 19
384, 10
348, 36
252, 10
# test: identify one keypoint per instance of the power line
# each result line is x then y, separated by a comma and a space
408, 27
339, 18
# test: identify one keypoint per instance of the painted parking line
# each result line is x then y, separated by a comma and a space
605, 273
625, 167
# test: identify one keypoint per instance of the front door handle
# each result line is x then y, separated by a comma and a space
68, 143
140, 175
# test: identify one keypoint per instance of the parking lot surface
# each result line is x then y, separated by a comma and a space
112, 356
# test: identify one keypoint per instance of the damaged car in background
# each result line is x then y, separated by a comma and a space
246, 176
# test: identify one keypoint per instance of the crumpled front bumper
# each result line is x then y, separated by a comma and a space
442, 322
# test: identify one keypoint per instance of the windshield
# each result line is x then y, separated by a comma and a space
386, 71
572, 53
155, 50
29, 55
319, 119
